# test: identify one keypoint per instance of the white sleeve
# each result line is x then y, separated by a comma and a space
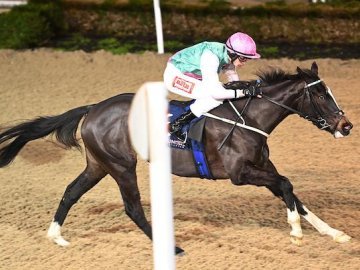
209, 65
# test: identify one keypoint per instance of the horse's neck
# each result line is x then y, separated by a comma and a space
265, 115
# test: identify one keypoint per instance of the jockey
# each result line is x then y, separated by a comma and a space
194, 73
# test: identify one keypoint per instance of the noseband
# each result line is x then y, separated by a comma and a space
319, 121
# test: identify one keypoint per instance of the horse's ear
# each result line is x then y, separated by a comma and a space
314, 68
300, 71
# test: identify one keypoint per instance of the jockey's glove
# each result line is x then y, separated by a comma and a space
252, 91
244, 88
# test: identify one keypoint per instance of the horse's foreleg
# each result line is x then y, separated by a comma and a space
296, 234
284, 189
83, 183
315, 221
281, 187
292, 213
324, 228
321, 226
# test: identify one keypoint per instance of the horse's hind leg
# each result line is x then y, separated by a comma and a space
83, 183
127, 182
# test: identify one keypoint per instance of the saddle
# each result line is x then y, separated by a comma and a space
193, 143
194, 130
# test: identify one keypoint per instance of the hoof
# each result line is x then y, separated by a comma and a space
342, 237
54, 234
179, 251
59, 241
296, 240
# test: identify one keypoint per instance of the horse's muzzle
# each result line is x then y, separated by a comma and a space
343, 128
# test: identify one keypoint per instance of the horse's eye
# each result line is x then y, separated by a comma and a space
322, 97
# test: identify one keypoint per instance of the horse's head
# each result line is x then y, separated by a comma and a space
318, 104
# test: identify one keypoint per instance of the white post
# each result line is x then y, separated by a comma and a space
150, 109
12, 3
158, 25
160, 177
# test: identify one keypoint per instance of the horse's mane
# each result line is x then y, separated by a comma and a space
277, 75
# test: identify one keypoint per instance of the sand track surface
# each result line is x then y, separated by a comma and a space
219, 225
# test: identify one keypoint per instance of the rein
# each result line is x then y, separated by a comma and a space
301, 114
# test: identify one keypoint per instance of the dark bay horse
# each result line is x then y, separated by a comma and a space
243, 157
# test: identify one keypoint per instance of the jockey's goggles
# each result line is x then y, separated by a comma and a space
243, 59
234, 56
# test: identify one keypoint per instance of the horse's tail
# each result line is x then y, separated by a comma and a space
64, 126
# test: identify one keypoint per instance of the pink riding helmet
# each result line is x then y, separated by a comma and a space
243, 45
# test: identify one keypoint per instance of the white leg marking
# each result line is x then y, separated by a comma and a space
54, 234
323, 228
296, 234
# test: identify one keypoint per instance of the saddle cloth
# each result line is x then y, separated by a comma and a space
193, 142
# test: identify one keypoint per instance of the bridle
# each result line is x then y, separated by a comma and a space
318, 120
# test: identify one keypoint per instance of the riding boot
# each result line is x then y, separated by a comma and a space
177, 125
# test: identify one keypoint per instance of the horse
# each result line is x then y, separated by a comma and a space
235, 151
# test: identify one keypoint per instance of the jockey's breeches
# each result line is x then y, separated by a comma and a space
206, 98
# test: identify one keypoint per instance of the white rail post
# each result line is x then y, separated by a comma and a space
158, 25
149, 111
12, 3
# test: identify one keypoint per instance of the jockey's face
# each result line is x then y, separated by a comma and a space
240, 61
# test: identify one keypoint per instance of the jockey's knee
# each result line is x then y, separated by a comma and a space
203, 105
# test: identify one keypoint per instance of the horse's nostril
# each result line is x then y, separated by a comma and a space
347, 127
